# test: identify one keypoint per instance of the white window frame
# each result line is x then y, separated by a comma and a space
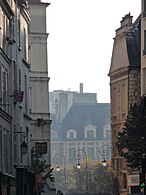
90, 127
69, 133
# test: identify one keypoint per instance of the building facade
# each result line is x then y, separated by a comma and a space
125, 89
143, 47
84, 127
14, 88
38, 78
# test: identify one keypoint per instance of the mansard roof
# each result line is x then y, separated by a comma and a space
133, 43
81, 115
126, 47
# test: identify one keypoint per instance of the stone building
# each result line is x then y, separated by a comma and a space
24, 101
14, 88
125, 89
38, 78
143, 47
79, 123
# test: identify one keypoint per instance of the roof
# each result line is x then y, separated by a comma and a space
133, 43
81, 115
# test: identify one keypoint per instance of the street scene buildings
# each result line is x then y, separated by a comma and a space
78, 121
34, 129
24, 103
127, 85
80, 131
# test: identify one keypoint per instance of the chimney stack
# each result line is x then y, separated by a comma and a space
81, 87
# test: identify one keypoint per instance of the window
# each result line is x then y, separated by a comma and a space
71, 153
90, 131
123, 103
144, 80
107, 131
19, 79
4, 92
144, 51
1, 99
7, 36
5, 33
114, 101
90, 152
24, 43
6, 150
71, 134
26, 100
90, 134
19, 33
15, 151
15, 75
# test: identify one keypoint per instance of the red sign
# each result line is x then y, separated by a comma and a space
18, 97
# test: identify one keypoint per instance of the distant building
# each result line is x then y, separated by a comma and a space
85, 125
61, 101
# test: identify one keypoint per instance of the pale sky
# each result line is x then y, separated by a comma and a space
80, 42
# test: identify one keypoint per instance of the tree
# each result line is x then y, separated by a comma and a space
38, 166
131, 142
99, 178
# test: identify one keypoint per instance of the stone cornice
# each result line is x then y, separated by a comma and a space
6, 7
122, 72
4, 55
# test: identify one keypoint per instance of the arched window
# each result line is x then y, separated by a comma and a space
90, 131
71, 134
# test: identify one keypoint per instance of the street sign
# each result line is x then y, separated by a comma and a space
41, 147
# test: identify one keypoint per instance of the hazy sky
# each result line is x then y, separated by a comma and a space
80, 42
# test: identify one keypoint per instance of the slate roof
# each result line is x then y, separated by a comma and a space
83, 114
54, 124
133, 43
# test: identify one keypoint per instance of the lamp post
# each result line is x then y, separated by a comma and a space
23, 145
57, 158
78, 156
104, 151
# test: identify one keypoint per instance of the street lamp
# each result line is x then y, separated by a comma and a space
104, 162
23, 146
57, 157
78, 156
104, 151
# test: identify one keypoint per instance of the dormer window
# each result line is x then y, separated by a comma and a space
90, 131
107, 131
71, 134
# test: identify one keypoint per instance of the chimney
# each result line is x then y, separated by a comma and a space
126, 24
81, 87
126, 20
